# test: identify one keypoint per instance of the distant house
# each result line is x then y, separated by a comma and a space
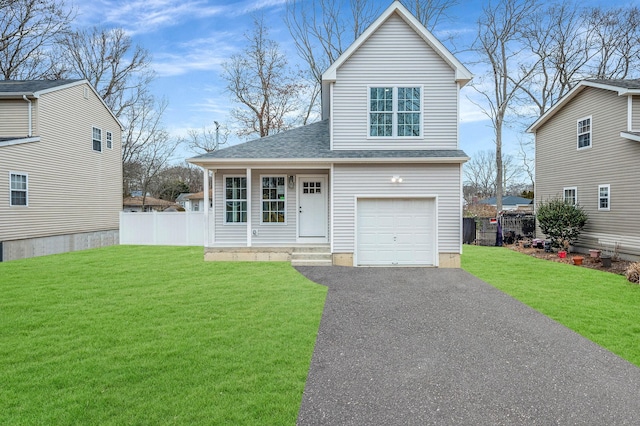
135, 204
510, 202
587, 153
60, 168
183, 201
195, 201
377, 182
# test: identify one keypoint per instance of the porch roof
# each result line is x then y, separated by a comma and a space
311, 143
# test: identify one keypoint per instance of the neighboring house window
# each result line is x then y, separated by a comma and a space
97, 139
235, 199
109, 140
584, 133
571, 196
18, 189
604, 194
395, 111
195, 205
273, 199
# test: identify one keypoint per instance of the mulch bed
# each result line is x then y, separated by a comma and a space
617, 266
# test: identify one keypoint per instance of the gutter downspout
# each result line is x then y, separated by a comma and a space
30, 115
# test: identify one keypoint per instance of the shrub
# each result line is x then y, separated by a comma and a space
633, 272
561, 222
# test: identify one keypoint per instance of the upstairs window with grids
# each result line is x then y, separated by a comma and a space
97, 139
395, 112
18, 189
584, 133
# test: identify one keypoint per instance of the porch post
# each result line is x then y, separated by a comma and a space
206, 207
248, 207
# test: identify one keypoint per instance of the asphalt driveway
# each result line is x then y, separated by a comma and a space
416, 346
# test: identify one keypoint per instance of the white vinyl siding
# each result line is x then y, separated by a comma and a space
570, 195
14, 117
612, 159
70, 189
430, 180
401, 58
584, 133
18, 183
604, 197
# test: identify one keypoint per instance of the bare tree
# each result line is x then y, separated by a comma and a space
561, 43
480, 175
119, 71
28, 30
500, 48
208, 139
260, 80
430, 12
616, 38
321, 32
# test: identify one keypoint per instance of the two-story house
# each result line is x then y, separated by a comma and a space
587, 152
60, 168
377, 182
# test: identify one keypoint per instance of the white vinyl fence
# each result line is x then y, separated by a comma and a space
162, 228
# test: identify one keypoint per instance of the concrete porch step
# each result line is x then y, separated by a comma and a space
311, 258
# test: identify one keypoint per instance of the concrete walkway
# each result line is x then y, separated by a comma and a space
415, 346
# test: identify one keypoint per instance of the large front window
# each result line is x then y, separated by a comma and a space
273, 199
18, 189
395, 111
235, 199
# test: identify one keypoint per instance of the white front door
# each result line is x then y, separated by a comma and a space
312, 206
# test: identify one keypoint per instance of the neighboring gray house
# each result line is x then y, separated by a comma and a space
587, 152
377, 182
510, 202
60, 168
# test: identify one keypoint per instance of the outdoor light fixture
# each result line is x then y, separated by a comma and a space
292, 181
396, 179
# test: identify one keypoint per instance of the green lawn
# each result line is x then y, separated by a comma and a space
601, 306
153, 335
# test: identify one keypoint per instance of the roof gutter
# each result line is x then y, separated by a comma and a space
30, 115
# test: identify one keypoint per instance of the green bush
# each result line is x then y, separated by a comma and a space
561, 222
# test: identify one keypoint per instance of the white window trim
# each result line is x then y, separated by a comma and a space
224, 201
26, 190
608, 208
92, 139
569, 188
109, 139
394, 112
286, 199
590, 133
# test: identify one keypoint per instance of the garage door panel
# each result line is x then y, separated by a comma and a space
396, 232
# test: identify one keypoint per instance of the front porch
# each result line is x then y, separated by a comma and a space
297, 254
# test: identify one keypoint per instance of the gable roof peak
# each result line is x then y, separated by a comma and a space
463, 75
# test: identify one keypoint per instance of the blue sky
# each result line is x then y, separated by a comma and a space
190, 39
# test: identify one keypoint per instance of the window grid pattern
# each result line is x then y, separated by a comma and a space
109, 140
273, 200
409, 111
584, 133
603, 197
381, 111
18, 189
235, 200
571, 196
97, 139
311, 187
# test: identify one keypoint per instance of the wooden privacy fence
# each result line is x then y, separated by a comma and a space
162, 228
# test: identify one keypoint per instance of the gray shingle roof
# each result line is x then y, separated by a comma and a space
30, 86
624, 83
312, 142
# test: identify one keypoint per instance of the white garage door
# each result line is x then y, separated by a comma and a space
396, 232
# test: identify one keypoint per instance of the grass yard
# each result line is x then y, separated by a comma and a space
601, 306
153, 335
